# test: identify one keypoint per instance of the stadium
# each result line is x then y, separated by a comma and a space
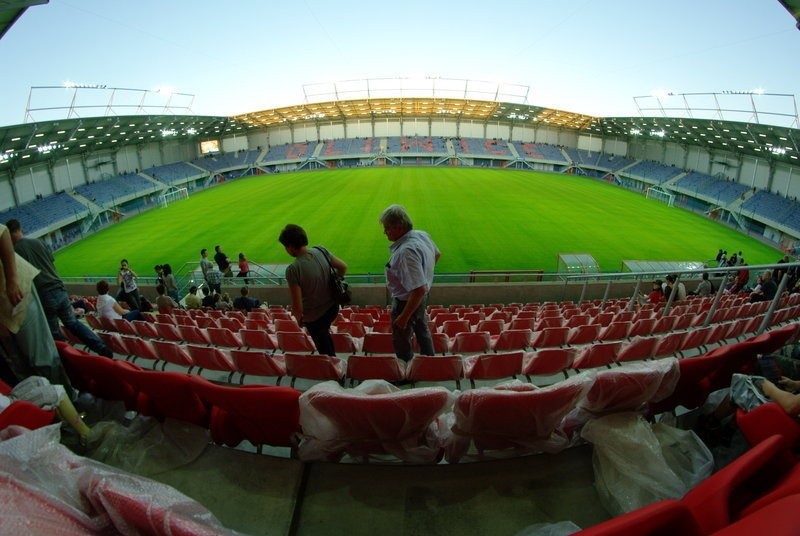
552, 225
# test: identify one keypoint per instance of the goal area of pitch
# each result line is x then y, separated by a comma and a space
170, 196
658, 194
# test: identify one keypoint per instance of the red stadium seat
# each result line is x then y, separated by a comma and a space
375, 367
524, 418
314, 367
383, 420
238, 413
259, 363
492, 366
425, 368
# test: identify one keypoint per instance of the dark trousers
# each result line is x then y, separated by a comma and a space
320, 331
417, 325
56, 305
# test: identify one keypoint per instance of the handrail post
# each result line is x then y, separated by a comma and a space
772, 306
635, 294
715, 303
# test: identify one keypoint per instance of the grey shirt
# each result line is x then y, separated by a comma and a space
311, 273
35, 252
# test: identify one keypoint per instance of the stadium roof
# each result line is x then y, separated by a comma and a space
12, 10
793, 7
31, 142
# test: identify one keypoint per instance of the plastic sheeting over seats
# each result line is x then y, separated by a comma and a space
372, 419
53, 491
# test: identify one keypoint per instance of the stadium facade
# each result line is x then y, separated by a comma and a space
68, 177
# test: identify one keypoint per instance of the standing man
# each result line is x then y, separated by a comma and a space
205, 263
53, 295
409, 276
223, 262
309, 280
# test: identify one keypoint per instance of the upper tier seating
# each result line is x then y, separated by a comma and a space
41, 213
176, 173
417, 145
121, 188
224, 162
481, 147
349, 147
598, 159
654, 171
540, 151
290, 152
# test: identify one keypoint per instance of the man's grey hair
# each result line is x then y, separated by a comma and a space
396, 215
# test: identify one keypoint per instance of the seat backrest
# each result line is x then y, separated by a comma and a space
210, 357
513, 339
314, 366
102, 377
548, 361
294, 341
474, 342
239, 413
631, 386
355, 329
391, 417
435, 368
257, 338
451, 327
493, 366
516, 416
380, 367
173, 353
258, 362
224, 337
378, 343
493, 326
169, 394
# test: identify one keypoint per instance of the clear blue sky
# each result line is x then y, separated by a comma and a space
585, 56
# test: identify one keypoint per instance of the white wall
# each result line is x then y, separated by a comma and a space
6, 195
280, 136
496, 130
387, 127
304, 133
416, 127
445, 129
359, 128
235, 143
471, 129
590, 143
331, 131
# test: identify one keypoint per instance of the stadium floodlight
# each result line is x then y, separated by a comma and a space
169, 132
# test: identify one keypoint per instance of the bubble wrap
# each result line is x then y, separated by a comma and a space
45, 489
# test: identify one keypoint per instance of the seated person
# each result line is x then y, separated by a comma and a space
107, 306
222, 301
656, 294
244, 302
788, 399
704, 287
39, 391
165, 303
208, 298
767, 290
192, 300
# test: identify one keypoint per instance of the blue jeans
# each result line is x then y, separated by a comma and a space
57, 305
417, 325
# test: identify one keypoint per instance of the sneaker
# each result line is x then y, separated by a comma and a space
106, 352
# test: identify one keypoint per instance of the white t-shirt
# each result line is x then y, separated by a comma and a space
105, 307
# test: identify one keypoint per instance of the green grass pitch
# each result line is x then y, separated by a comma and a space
480, 219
